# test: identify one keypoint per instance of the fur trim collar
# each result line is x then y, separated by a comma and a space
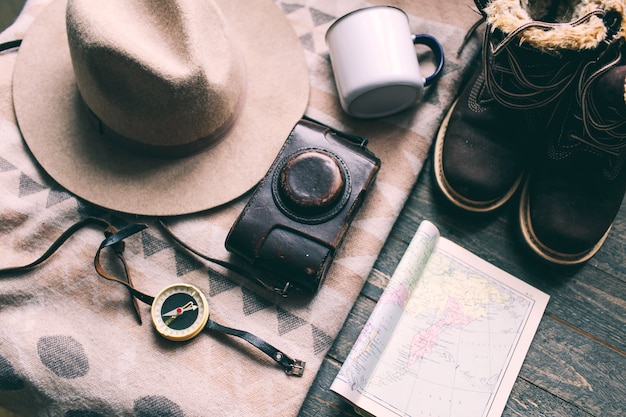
510, 15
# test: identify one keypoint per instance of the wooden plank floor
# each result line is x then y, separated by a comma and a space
576, 365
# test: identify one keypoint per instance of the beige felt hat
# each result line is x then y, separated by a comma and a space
159, 108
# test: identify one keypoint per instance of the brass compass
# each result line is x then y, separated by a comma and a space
179, 312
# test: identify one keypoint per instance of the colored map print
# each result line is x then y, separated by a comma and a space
438, 345
458, 331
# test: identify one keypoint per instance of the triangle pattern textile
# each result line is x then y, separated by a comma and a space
94, 359
6, 165
29, 186
57, 196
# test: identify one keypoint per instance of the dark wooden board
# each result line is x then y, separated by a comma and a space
576, 365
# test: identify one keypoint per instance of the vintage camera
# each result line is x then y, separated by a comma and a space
299, 213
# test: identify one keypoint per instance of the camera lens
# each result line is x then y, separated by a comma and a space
311, 182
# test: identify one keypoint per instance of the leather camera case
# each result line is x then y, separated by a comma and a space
299, 213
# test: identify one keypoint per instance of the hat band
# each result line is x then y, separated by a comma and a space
171, 151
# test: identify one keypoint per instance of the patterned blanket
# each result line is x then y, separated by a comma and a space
69, 342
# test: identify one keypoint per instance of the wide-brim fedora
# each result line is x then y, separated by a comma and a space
58, 127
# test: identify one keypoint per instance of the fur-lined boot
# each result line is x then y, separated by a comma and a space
536, 56
576, 187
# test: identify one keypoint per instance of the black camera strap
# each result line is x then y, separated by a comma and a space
10, 45
244, 272
88, 221
114, 239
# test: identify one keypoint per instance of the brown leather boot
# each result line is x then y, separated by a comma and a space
572, 196
532, 58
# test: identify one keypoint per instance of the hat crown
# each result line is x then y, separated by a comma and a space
200, 57
163, 74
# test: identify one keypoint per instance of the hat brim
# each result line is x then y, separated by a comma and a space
55, 126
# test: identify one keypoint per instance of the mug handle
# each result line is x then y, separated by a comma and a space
434, 45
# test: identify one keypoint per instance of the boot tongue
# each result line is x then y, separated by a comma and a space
610, 89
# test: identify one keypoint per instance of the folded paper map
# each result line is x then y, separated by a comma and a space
447, 337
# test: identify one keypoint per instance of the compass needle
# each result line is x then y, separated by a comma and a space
190, 306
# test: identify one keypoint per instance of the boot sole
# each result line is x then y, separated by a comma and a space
450, 193
542, 250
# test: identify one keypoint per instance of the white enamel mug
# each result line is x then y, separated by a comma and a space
375, 63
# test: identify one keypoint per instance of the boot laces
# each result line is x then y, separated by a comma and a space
594, 126
602, 130
522, 85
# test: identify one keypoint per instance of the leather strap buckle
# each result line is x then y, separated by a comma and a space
296, 368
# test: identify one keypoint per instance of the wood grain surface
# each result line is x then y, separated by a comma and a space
576, 365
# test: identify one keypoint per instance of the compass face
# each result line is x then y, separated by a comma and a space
179, 312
